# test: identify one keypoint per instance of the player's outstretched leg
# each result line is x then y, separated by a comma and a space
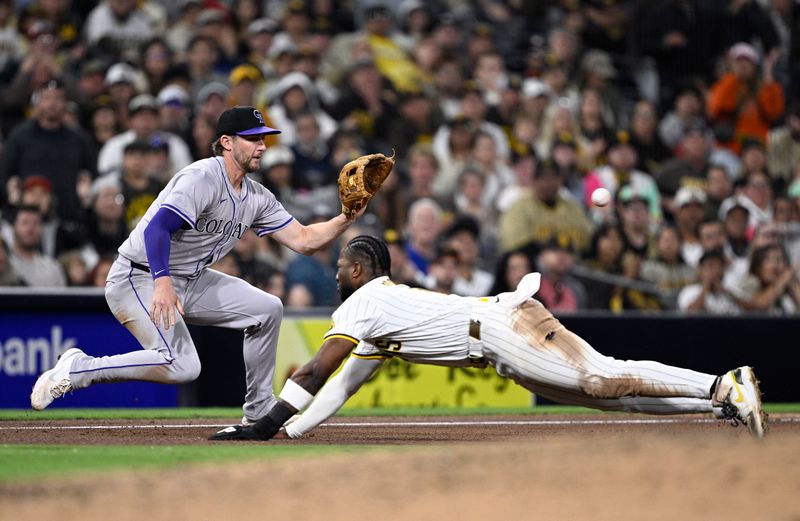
54, 383
738, 398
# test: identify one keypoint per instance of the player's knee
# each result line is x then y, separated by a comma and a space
184, 370
270, 310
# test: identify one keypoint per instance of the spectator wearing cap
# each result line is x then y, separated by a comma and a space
635, 220
783, 144
123, 82
202, 55
138, 187
45, 146
666, 268
742, 105
556, 75
620, 171
212, 100
689, 213
260, 37
735, 216
292, 95
144, 126
597, 71
120, 23
35, 268
565, 155
414, 20
688, 167
536, 98
57, 235
247, 86
90, 84
709, 294
463, 236
174, 110
558, 289
543, 214
650, 150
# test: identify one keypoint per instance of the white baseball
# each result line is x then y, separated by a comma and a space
601, 197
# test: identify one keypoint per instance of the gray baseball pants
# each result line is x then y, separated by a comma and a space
169, 355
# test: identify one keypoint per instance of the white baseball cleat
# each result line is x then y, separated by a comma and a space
739, 400
54, 383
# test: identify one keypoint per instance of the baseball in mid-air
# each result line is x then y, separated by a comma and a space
601, 197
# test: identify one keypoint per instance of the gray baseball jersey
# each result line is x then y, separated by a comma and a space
215, 217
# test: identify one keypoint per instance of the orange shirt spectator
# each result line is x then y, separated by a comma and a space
739, 105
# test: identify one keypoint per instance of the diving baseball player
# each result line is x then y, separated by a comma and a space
163, 267
379, 319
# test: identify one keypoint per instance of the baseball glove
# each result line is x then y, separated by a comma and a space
360, 179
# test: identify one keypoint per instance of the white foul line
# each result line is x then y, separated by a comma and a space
457, 423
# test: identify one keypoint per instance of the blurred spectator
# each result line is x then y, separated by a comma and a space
565, 155
271, 280
316, 272
366, 103
753, 157
104, 223
119, 24
57, 235
606, 23
448, 82
757, 196
783, 145
144, 126
211, 100
688, 167
602, 262
497, 175
443, 271
32, 146
139, 188
415, 122
312, 155
667, 269
122, 82
773, 285
463, 236
690, 210
620, 171
260, 36
635, 220
718, 188
740, 105
156, 58
454, 154
299, 296
544, 214
650, 150
249, 257
174, 111
709, 294
423, 167
597, 71
403, 271
509, 271
203, 134
11, 42
635, 294
593, 127
103, 125
425, 223
559, 291
8, 275
687, 111
99, 274
294, 94
75, 269
735, 216
202, 55
34, 268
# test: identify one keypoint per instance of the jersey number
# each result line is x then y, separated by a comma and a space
388, 345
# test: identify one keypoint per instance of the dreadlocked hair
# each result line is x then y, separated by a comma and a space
371, 252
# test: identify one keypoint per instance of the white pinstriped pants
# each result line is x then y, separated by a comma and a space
530, 346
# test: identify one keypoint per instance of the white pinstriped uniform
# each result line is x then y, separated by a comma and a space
521, 339
215, 218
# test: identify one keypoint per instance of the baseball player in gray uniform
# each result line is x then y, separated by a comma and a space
379, 319
160, 281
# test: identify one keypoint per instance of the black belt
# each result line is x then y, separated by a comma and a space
474, 329
140, 267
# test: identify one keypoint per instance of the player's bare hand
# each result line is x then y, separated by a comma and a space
164, 303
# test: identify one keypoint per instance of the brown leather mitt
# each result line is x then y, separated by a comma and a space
360, 179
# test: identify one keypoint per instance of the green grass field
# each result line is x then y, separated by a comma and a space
21, 462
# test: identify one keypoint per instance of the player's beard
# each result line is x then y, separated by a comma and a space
345, 290
245, 161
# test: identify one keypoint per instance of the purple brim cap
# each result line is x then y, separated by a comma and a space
259, 130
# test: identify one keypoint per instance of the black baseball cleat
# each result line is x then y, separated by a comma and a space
238, 433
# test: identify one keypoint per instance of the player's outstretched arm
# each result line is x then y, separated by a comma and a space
334, 394
307, 239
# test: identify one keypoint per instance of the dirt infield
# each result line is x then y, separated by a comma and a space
522, 467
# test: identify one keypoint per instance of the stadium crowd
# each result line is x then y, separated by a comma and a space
504, 115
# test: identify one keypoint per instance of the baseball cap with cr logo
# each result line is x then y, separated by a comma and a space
243, 121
